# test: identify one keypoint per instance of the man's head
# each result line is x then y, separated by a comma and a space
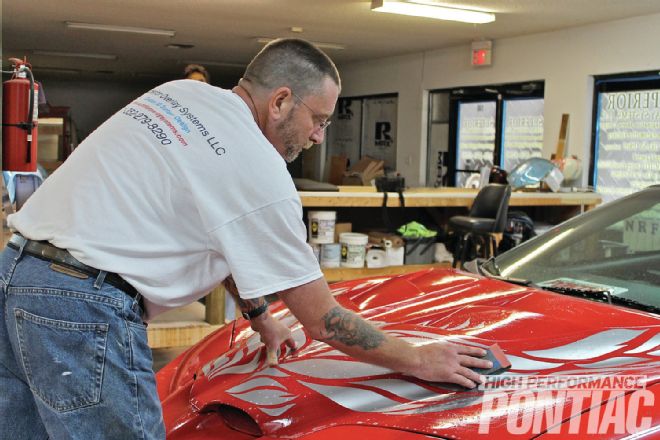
295, 87
197, 72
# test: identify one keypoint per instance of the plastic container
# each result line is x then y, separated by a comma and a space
321, 226
330, 255
420, 250
353, 249
376, 258
395, 255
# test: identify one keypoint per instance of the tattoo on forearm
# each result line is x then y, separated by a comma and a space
348, 328
246, 305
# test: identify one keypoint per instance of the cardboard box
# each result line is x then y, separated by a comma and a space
337, 169
340, 228
363, 172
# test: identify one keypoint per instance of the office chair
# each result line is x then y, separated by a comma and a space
487, 217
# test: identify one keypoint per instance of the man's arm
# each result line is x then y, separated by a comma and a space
327, 321
247, 306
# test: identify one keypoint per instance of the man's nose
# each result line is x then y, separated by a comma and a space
317, 136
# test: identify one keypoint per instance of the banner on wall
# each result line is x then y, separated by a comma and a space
475, 140
379, 133
522, 138
344, 134
627, 142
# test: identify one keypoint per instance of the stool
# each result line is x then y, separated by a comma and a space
487, 217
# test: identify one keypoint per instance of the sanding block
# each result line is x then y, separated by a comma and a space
500, 363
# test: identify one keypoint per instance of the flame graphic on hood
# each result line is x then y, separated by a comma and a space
367, 388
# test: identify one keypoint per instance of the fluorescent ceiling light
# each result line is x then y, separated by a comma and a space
431, 11
96, 56
335, 46
151, 75
113, 28
215, 63
39, 69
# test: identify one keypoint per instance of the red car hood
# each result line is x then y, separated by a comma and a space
318, 387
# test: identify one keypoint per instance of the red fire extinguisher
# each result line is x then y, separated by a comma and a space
19, 119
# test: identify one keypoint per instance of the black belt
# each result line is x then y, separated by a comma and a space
48, 252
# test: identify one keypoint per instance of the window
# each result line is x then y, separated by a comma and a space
475, 127
626, 134
522, 136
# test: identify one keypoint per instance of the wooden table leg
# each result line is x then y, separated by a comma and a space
215, 306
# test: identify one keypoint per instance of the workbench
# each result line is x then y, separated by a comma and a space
194, 322
367, 197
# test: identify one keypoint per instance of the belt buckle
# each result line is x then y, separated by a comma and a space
49, 252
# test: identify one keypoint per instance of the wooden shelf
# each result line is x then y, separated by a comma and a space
54, 126
183, 326
333, 275
438, 197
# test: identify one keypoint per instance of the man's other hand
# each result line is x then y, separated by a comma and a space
273, 333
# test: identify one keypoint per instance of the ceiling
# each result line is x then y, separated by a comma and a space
224, 32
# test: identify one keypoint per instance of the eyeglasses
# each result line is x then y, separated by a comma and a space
323, 122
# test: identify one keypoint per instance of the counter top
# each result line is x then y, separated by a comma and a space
439, 197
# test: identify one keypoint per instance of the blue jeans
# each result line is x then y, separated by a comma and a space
74, 359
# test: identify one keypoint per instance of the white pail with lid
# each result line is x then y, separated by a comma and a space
321, 226
330, 255
353, 249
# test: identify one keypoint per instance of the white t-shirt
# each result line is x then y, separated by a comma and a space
174, 192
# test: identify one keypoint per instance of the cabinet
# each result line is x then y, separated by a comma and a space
57, 137
438, 204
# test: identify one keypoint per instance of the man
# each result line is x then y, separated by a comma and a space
197, 73
181, 188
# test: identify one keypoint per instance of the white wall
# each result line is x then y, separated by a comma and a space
91, 101
94, 99
566, 60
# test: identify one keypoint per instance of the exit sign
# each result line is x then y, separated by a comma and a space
482, 53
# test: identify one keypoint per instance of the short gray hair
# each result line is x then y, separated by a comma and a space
293, 63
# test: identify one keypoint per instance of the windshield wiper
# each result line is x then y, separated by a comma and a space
601, 295
634, 304
493, 263
496, 276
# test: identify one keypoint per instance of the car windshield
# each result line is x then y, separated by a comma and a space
614, 248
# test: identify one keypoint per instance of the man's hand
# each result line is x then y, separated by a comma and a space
447, 362
273, 333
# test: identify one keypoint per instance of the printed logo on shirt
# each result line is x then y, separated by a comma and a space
170, 121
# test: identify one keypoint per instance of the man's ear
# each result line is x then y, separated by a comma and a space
279, 103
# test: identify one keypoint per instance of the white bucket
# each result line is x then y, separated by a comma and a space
376, 258
330, 255
321, 226
353, 249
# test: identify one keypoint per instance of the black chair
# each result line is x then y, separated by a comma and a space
488, 216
